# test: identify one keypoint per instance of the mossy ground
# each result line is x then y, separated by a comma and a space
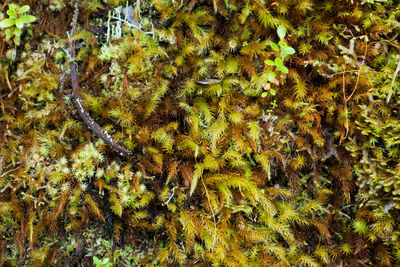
218, 174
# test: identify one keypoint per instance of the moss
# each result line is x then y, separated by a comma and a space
218, 174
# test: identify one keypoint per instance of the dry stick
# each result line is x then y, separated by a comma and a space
83, 113
359, 72
346, 99
345, 104
9, 171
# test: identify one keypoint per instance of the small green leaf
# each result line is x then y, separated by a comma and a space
282, 44
272, 91
19, 23
278, 61
271, 76
283, 69
290, 50
28, 18
11, 13
5, 23
106, 260
96, 261
269, 62
274, 46
281, 32
9, 33
23, 9
17, 40
17, 32
264, 94
85, 35
13, 7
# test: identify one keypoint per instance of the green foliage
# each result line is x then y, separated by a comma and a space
101, 263
15, 22
284, 50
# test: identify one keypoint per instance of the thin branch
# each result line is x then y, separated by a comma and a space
96, 128
9, 171
359, 71
345, 105
83, 113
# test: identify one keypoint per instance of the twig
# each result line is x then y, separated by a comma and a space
10, 171
133, 25
72, 48
96, 128
83, 113
173, 193
345, 104
359, 71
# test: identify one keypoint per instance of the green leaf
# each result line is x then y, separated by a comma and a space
287, 51
23, 9
17, 40
272, 91
271, 76
282, 44
106, 260
281, 32
278, 62
27, 18
85, 35
11, 13
13, 6
17, 32
290, 50
19, 23
9, 33
5, 23
264, 94
269, 62
96, 260
274, 46
283, 69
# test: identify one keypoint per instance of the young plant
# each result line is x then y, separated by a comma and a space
15, 22
101, 263
285, 50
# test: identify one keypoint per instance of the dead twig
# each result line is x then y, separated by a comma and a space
83, 113
359, 71
9, 171
346, 125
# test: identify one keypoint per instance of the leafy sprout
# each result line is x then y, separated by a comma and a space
15, 22
284, 51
